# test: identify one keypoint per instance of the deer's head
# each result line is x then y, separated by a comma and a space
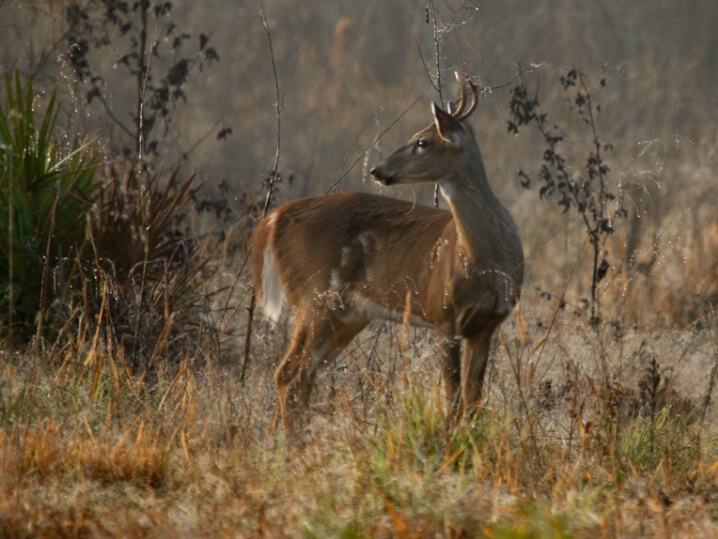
436, 152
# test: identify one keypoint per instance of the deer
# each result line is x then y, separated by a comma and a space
337, 261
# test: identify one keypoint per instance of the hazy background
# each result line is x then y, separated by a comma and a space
348, 70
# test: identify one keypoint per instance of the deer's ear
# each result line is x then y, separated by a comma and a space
449, 127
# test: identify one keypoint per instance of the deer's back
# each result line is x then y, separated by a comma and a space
347, 241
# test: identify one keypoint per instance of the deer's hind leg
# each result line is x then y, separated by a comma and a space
315, 342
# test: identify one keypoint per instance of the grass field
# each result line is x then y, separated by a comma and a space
589, 430
586, 433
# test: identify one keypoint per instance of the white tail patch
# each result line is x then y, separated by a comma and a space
273, 294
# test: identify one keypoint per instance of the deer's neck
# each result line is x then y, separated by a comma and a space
486, 234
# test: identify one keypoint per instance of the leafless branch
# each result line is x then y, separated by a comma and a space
365, 152
274, 174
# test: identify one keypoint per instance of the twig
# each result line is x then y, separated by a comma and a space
435, 81
437, 51
365, 152
437, 35
270, 187
278, 105
113, 116
712, 379
185, 153
143, 78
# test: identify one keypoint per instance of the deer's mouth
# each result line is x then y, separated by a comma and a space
380, 175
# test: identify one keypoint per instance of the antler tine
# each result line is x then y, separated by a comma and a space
462, 115
462, 103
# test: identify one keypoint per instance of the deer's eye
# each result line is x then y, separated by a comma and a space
422, 143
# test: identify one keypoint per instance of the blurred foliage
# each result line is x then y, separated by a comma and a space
348, 71
587, 188
141, 33
142, 272
46, 193
86, 252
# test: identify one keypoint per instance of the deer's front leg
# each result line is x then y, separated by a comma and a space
475, 361
450, 352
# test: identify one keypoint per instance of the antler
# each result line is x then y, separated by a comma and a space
462, 103
460, 113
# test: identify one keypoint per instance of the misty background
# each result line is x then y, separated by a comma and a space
356, 80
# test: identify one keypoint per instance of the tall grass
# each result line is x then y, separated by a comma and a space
47, 191
559, 455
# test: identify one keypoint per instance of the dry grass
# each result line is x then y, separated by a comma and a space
585, 434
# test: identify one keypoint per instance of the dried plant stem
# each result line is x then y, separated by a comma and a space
145, 59
708, 397
273, 177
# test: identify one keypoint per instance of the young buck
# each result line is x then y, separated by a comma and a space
338, 261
